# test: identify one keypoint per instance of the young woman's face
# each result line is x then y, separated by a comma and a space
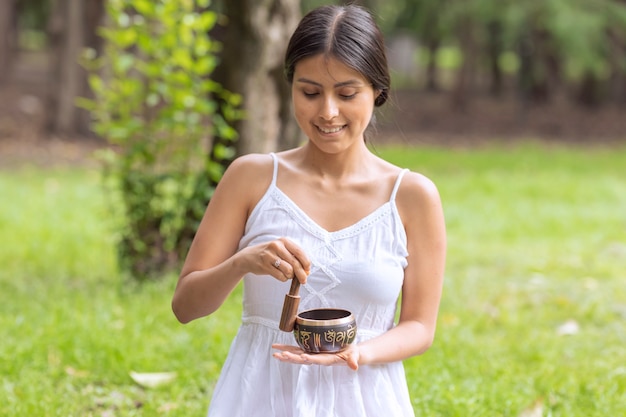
333, 104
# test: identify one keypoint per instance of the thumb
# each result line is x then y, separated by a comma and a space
353, 364
352, 359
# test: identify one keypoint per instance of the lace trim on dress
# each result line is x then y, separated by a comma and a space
307, 223
315, 229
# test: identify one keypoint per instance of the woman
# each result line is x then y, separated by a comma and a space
355, 230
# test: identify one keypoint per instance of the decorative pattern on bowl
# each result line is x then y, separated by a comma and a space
324, 330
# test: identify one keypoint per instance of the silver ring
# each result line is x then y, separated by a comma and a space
277, 263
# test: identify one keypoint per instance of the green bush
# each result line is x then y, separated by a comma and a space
155, 103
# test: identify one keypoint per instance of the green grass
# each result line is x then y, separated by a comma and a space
537, 238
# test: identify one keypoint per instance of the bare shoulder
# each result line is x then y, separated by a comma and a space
249, 171
416, 185
250, 164
245, 180
417, 196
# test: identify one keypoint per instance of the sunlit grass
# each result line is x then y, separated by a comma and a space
71, 329
537, 240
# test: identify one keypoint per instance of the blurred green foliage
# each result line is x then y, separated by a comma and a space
154, 101
563, 40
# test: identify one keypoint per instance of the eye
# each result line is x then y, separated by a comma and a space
310, 94
347, 93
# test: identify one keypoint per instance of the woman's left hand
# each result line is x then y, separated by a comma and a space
293, 354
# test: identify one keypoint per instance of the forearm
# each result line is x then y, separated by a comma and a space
407, 339
200, 293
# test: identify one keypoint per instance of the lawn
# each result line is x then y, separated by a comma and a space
533, 316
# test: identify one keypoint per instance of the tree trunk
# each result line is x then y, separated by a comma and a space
460, 93
72, 27
432, 73
494, 49
539, 66
590, 94
524, 76
255, 41
617, 78
8, 29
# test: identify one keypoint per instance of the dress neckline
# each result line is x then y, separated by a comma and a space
306, 221
315, 228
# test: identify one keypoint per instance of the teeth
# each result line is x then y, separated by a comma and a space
335, 130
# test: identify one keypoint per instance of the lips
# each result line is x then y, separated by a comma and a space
329, 130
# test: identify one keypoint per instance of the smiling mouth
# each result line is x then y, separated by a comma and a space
330, 130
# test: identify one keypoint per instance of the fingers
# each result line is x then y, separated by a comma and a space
287, 348
283, 268
303, 264
290, 259
292, 354
295, 355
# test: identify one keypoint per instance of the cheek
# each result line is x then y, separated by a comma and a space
301, 108
301, 117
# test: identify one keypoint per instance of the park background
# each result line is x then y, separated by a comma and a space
515, 109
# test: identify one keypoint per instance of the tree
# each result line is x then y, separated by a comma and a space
71, 28
255, 40
427, 20
8, 35
153, 101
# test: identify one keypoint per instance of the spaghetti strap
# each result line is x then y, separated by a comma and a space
397, 184
275, 173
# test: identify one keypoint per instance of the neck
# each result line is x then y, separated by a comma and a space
352, 161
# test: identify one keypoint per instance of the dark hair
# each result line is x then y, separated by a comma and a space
348, 34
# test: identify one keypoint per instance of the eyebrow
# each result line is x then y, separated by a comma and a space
340, 84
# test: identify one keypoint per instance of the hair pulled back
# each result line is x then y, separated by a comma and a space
348, 34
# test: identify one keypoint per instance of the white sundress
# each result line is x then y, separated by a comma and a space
359, 268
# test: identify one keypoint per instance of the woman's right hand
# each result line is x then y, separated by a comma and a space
214, 264
280, 258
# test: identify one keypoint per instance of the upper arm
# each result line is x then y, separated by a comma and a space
224, 220
420, 207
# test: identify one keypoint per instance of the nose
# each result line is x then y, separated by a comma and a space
329, 109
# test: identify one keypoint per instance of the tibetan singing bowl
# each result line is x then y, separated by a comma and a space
324, 330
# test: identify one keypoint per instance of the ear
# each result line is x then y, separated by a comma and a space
380, 97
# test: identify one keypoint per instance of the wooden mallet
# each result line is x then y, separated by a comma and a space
290, 307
